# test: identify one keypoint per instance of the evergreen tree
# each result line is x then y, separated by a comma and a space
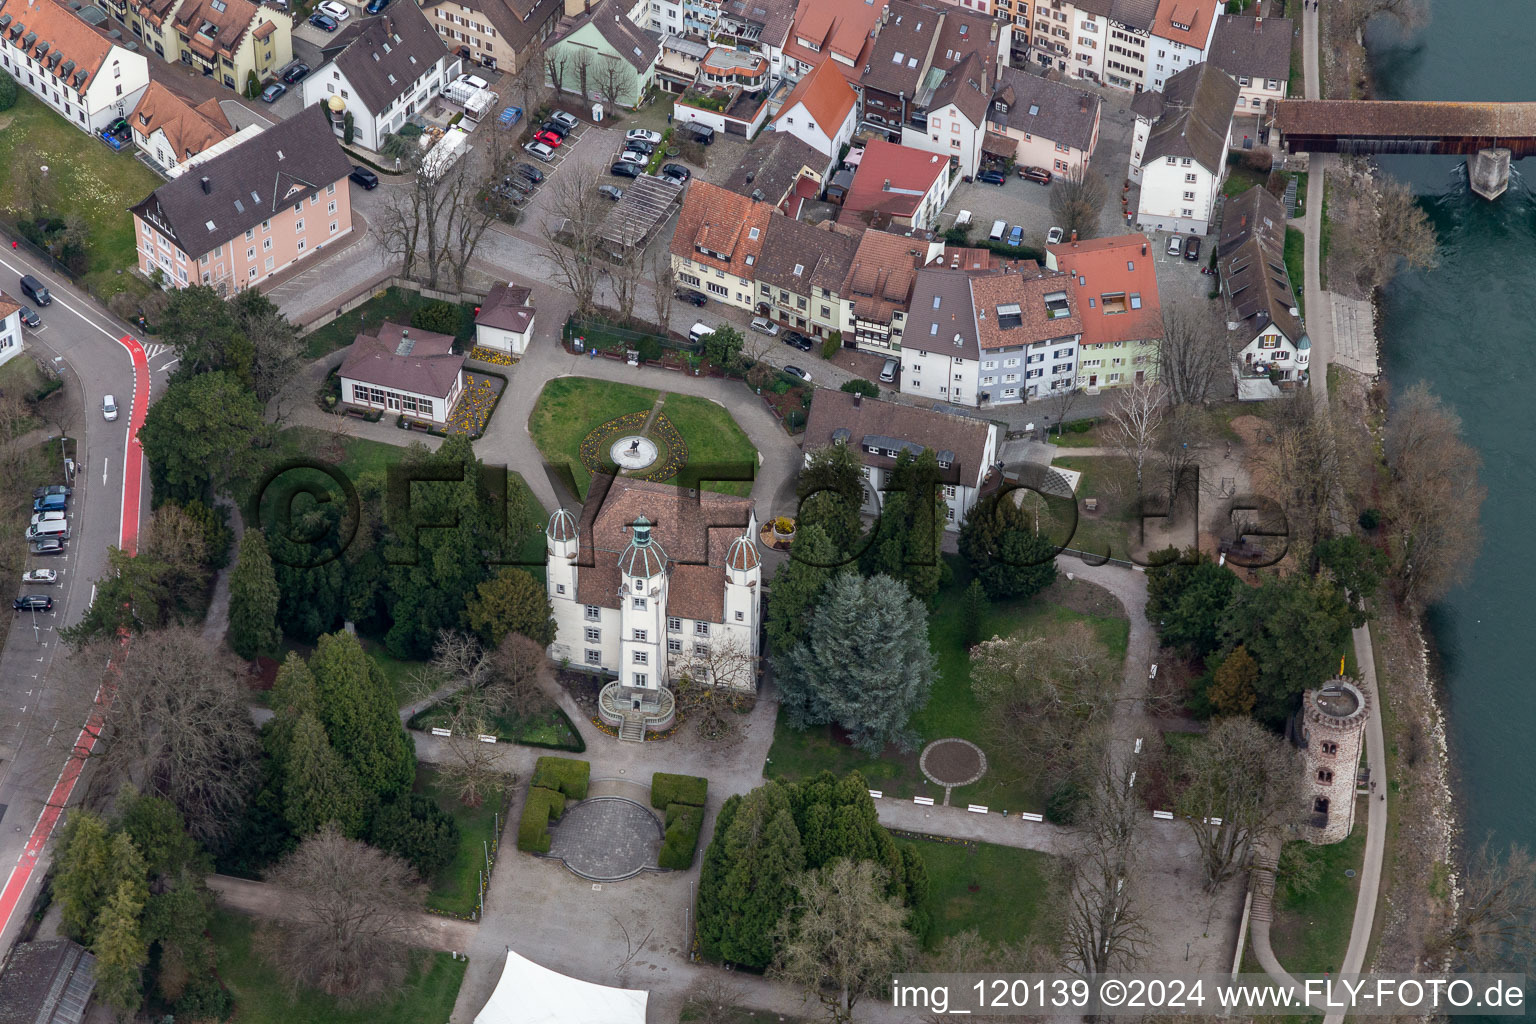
120, 948
1188, 599
999, 542
797, 587
973, 611
253, 600
293, 694
864, 664
207, 432
318, 786
1356, 567
311, 577
744, 884
1294, 627
919, 517
356, 705
511, 602
157, 832
414, 828
82, 872
1232, 688
832, 491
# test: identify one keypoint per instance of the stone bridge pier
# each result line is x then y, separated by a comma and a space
1488, 172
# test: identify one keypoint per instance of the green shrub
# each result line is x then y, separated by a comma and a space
542, 807
649, 349
684, 823
565, 774
437, 315
860, 386
7, 91
252, 85
416, 829
348, 128
1370, 519
831, 345
677, 789
1080, 426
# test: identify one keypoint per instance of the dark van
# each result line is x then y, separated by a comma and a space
33, 289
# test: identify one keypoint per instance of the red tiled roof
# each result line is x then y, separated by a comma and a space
880, 280
990, 292
189, 130
893, 179
843, 27
730, 226
82, 48
1122, 265
1185, 21
827, 97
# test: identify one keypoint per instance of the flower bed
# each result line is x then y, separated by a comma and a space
672, 449
495, 357
472, 412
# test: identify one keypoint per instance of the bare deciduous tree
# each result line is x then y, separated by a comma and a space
569, 243
1247, 778
1495, 925
176, 542
353, 906
1379, 228
1103, 931
1183, 435
969, 953
716, 684
658, 262
614, 78
1303, 461
520, 680
556, 64
528, 81
1077, 198
1135, 420
472, 766
714, 999
845, 937
1195, 358
1435, 496
176, 724
1061, 402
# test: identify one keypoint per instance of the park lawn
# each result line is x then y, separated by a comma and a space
85, 176
1111, 479
454, 890
1295, 266
262, 995
569, 408
1310, 934
1013, 893
548, 728
1070, 438
394, 305
952, 708
714, 440
398, 672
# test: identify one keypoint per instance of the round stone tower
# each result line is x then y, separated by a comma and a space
1332, 735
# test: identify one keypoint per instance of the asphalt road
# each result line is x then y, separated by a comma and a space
39, 720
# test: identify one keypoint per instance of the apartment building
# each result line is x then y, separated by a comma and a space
83, 76
1040, 123
497, 34
1114, 290
898, 185
225, 40
821, 111
1181, 35
717, 243
801, 273
1256, 52
251, 212
1179, 149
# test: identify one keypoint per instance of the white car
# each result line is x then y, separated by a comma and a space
762, 325
53, 516
642, 135
561, 117
40, 576
341, 12
631, 157
540, 150
473, 80
108, 408
1054, 236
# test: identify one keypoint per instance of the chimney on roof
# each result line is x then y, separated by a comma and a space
1083, 104
207, 185
1143, 248
1258, 23
1074, 237
858, 400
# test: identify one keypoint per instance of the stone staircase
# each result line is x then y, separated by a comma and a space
633, 729
1262, 882
1290, 198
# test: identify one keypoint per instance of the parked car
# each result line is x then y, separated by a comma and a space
799, 341
324, 23
639, 146
46, 546
1192, 248
555, 128
294, 72
1016, 235
992, 177
33, 602
795, 371
53, 501
333, 9
540, 150
889, 370
530, 172
569, 120
1175, 245
364, 177
473, 80
30, 318
610, 192
549, 139
762, 325
631, 157
35, 290
1036, 174
273, 92
375, 6
644, 135
1054, 236
693, 298
52, 516
676, 172
624, 169
52, 490
40, 576
108, 408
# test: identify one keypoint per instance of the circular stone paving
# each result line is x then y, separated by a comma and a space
633, 452
606, 838
953, 762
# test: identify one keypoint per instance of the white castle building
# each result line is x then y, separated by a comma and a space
654, 582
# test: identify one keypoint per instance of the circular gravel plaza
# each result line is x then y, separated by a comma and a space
606, 838
632, 453
953, 762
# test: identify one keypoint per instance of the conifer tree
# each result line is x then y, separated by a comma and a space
318, 786
356, 706
120, 948
253, 600
797, 587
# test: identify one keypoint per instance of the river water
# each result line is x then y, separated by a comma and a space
1468, 328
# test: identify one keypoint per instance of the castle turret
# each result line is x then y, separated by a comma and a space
1332, 735
560, 563
642, 609
743, 590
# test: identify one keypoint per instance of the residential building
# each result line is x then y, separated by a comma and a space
392, 67
250, 212
801, 273
842, 31
11, 340
603, 55
897, 185
727, 67
654, 581
984, 339
1179, 149
504, 321
1181, 36
1273, 351
780, 170
820, 111
498, 34
678, 66
403, 370
47, 982
877, 290
1256, 52
228, 41
1040, 123
86, 78
1113, 282
955, 116
965, 447
171, 131
717, 242
761, 26
1070, 35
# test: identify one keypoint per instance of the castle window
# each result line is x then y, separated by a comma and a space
593, 613
1330, 747
560, 588
641, 636
1324, 776
594, 635
594, 657
638, 604
1320, 805
701, 629
674, 624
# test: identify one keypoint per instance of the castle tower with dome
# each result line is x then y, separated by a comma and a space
1331, 736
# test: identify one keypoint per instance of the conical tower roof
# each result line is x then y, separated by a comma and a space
562, 525
742, 554
644, 556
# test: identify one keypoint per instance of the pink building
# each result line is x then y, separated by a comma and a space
251, 212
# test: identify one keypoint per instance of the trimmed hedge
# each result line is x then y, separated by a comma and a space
677, 789
565, 774
542, 807
684, 823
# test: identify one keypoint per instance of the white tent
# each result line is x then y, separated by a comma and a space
530, 994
